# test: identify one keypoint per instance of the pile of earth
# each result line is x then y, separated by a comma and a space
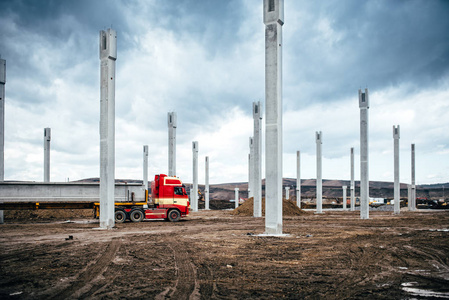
47, 214
289, 208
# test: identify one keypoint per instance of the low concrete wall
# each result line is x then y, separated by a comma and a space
66, 192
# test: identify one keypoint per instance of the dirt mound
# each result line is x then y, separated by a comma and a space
47, 214
289, 208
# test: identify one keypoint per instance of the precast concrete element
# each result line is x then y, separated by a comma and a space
47, 140
344, 196
194, 201
257, 160
413, 192
409, 197
2, 124
273, 17
24, 192
397, 184
298, 179
2, 118
251, 168
319, 175
364, 161
108, 56
236, 197
172, 124
145, 167
287, 193
206, 186
352, 201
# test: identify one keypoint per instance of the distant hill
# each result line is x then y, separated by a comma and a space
331, 188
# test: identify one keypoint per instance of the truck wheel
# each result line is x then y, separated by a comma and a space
136, 215
174, 215
120, 216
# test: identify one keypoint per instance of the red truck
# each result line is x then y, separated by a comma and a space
169, 201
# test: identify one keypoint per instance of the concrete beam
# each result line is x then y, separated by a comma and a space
287, 193
172, 124
344, 196
397, 184
273, 16
298, 179
195, 176
47, 140
251, 168
108, 56
206, 188
319, 174
257, 160
364, 160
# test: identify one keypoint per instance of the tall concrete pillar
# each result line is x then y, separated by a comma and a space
257, 160
352, 201
397, 184
108, 56
195, 176
236, 197
364, 161
273, 17
409, 197
2, 124
2, 118
172, 124
344, 196
145, 168
298, 179
413, 191
287, 193
206, 186
319, 175
251, 168
47, 140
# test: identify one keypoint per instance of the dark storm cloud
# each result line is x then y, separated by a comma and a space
369, 43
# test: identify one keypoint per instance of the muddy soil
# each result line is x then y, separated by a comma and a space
216, 255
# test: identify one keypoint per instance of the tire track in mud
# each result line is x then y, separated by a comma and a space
186, 285
85, 278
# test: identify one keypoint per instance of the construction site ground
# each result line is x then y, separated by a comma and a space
217, 255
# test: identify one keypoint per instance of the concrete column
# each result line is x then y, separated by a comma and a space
287, 193
257, 160
145, 168
236, 197
273, 17
319, 175
364, 160
397, 184
108, 56
344, 196
194, 203
2, 118
409, 197
413, 206
298, 179
2, 124
172, 123
47, 140
251, 168
206, 188
352, 201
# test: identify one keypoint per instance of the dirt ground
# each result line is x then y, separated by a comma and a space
216, 255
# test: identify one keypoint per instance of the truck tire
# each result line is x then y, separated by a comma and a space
120, 216
136, 215
174, 215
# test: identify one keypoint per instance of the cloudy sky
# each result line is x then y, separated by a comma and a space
205, 60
